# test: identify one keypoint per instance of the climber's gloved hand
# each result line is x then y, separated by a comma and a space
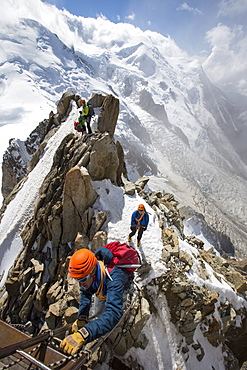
73, 343
79, 323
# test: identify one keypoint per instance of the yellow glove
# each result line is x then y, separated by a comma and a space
79, 323
73, 343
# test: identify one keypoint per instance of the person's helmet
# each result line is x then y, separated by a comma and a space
83, 101
141, 207
82, 263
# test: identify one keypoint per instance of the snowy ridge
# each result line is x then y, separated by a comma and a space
174, 126
21, 207
160, 330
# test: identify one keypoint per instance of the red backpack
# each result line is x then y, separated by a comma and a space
124, 256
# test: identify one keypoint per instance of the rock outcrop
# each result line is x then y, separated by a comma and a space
108, 115
192, 307
78, 196
39, 290
66, 194
104, 161
21, 157
15, 166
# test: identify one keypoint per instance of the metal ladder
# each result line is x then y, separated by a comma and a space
38, 354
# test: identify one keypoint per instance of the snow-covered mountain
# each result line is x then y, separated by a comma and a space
173, 124
174, 127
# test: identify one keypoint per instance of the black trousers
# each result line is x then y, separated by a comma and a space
134, 230
89, 131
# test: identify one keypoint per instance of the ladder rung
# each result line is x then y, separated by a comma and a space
33, 360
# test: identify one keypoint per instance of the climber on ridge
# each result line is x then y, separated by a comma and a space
86, 114
108, 284
139, 222
80, 124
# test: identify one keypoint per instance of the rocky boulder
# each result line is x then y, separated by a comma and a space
108, 115
63, 107
97, 100
104, 161
78, 196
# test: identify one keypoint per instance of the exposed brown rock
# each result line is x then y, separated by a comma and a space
108, 115
97, 223
81, 241
13, 286
78, 195
104, 161
70, 315
97, 100
64, 103
99, 240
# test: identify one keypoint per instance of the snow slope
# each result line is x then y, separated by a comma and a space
21, 208
159, 330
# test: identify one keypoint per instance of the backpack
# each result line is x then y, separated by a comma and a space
123, 256
91, 110
79, 126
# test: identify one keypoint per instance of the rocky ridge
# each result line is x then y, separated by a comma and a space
38, 289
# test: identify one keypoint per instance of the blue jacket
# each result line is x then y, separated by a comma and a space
114, 299
144, 221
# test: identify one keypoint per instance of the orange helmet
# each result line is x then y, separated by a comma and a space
82, 263
141, 207
83, 101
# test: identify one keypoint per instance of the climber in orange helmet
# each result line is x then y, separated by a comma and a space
139, 222
93, 279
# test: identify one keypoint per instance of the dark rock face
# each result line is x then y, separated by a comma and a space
21, 157
78, 196
15, 166
104, 160
66, 194
108, 115
63, 220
